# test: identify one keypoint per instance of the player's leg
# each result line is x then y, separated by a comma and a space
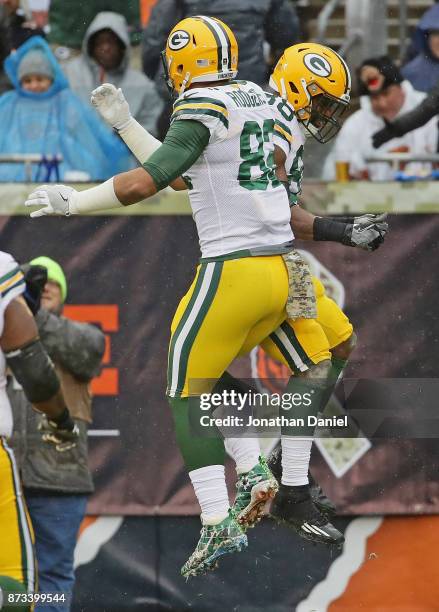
342, 340
255, 483
17, 560
226, 301
338, 330
301, 344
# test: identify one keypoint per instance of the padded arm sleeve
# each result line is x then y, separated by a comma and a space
78, 347
182, 146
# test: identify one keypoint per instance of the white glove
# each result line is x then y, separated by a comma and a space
111, 105
55, 200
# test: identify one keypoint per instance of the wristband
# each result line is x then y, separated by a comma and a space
97, 198
140, 142
329, 230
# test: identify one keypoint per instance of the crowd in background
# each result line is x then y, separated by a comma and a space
53, 53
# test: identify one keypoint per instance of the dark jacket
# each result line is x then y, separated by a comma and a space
76, 350
85, 74
69, 19
252, 22
14, 31
423, 70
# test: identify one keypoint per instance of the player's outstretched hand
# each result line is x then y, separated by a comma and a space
111, 105
52, 200
367, 233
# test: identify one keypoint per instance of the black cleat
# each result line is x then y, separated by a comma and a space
294, 507
320, 499
318, 496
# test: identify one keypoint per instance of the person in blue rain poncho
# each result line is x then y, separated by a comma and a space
42, 115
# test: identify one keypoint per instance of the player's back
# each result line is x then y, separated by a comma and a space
11, 285
237, 201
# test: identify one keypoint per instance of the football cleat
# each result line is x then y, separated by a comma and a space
318, 496
254, 490
294, 507
320, 499
215, 540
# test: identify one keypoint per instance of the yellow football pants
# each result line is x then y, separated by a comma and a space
231, 307
17, 558
331, 317
296, 342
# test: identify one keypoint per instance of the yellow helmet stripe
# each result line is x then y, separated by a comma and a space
194, 105
222, 39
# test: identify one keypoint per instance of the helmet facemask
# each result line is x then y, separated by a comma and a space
321, 117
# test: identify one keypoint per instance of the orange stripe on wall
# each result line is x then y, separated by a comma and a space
145, 10
401, 569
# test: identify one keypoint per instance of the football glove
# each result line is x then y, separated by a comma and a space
367, 234
36, 279
54, 199
63, 437
111, 105
371, 218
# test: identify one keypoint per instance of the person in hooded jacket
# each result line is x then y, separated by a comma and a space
384, 96
43, 116
423, 70
105, 58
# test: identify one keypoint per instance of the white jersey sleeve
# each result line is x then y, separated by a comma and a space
289, 137
204, 106
12, 283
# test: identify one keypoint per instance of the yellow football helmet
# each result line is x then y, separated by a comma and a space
199, 50
316, 82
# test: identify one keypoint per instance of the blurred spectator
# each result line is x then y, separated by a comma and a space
69, 19
423, 70
105, 58
252, 22
15, 29
384, 96
426, 110
43, 116
56, 477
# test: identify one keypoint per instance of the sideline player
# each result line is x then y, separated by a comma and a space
242, 215
22, 352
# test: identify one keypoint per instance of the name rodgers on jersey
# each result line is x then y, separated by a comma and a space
247, 99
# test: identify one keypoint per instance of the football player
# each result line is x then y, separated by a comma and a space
312, 85
220, 145
318, 102
22, 352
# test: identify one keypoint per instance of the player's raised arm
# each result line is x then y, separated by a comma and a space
113, 107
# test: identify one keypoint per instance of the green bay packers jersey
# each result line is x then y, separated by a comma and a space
289, 137
11, 286
237, 202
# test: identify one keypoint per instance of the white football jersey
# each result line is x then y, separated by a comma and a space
289, 137
237, 202
11, 285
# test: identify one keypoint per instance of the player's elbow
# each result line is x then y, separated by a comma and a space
134, 186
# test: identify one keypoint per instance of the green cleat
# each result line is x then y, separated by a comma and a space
254, 489
215, 540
